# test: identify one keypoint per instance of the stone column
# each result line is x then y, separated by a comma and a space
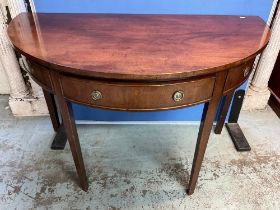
16, 7
9, 62
4, 84
258, 94
23, 101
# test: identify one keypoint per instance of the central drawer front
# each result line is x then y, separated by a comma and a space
137, 96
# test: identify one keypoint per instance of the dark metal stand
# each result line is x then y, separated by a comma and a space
60, 139
239, 140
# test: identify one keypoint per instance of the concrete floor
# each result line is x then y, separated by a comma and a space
138, 166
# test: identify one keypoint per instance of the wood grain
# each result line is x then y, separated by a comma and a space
223, 113
238, 75
132, 96
138, 62
71, 131
138, 47
205, 127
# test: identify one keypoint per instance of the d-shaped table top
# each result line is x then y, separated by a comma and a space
138, 47
138, 63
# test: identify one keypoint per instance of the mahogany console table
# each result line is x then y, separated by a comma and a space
138, 63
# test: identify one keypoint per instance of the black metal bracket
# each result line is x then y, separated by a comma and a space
239, 140
60, 139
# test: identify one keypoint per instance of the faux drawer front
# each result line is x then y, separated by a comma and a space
238, 75
41, 75
135, 96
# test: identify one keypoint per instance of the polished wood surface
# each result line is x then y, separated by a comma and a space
138, 63
237, 75
50, 100
205, 127
131, 96
140, 96
138, 47
222, 117
71, 131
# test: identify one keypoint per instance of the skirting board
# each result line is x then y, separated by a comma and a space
89, 122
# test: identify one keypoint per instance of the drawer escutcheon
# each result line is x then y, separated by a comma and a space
96, 95
178, 95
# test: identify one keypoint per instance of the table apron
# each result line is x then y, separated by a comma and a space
139, 96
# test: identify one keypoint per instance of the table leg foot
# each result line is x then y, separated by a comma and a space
84, 186
190, 192
60, 139
239, 140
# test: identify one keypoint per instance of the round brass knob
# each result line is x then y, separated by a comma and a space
178, 95
246, 71
96, 95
